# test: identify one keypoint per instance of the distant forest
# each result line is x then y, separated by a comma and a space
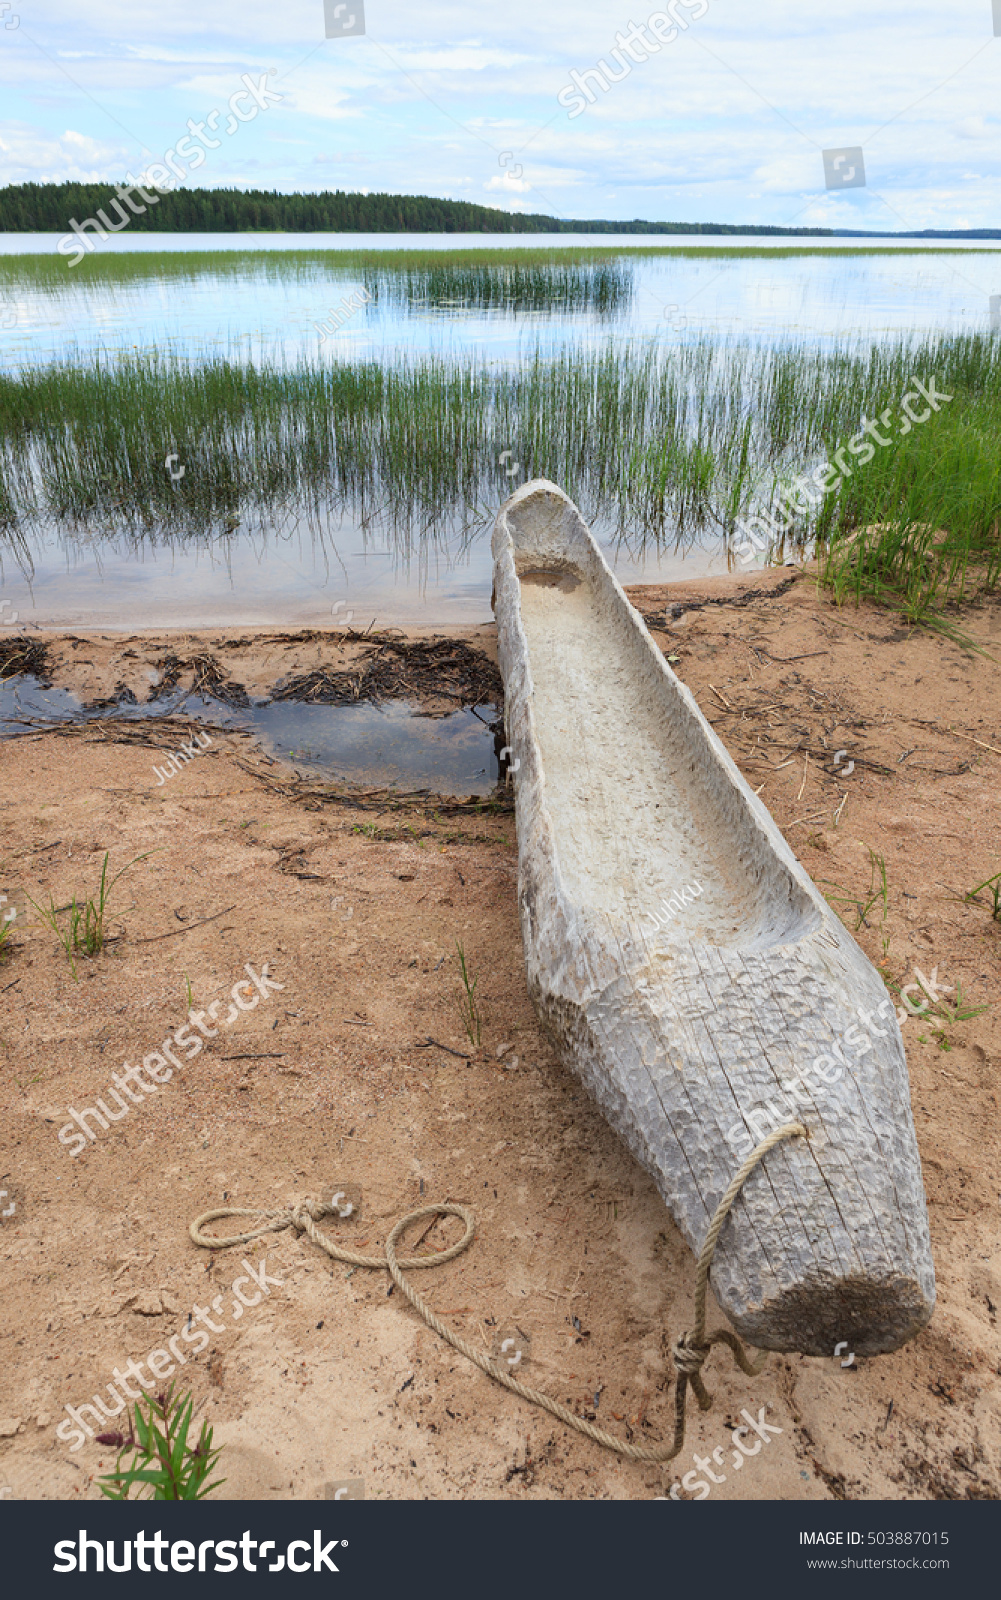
50, 207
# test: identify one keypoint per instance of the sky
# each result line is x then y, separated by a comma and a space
725, 120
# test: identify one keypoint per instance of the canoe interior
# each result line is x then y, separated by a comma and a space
632, 784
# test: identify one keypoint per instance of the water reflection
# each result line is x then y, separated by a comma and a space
340, 575
202, 456
383, 746
250, 302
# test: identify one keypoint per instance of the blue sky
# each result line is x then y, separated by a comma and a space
726, 121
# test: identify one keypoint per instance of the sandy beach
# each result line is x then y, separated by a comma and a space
868, 741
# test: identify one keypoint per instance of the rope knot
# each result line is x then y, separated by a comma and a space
314, 1209
688, 1356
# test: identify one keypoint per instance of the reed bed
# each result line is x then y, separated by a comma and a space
511, 281
659, 446
48, 272
516, 288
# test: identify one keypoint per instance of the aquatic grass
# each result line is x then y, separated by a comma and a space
47, 271
655, 444
555, 282
515, 288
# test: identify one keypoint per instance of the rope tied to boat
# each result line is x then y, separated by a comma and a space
689, 1352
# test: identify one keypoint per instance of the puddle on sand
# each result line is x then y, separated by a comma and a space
384, 744
362, 744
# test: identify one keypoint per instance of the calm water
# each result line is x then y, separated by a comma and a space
264, 298
342, 577
363, 744
260, 298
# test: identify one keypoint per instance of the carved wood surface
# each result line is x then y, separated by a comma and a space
690, 972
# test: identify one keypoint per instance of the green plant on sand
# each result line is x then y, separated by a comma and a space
471, 1019
863, 904
994, 886
85, 933
158, 1461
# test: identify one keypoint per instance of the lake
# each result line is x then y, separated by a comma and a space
368, 302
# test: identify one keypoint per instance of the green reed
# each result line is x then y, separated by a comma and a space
512, 281
658, 443
41, 272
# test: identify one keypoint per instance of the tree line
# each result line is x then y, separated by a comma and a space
50, 208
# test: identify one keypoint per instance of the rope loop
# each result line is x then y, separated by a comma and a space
689, 1352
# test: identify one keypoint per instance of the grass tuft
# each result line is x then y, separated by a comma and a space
993, 885
7, 920
468, 1007
84, 934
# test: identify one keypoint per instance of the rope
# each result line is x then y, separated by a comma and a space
689, 1352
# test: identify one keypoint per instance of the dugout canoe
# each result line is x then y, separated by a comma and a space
689, 971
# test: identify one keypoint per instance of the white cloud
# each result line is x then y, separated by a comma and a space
28, 157
974, 128
516, 206
458, 58
509, 183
